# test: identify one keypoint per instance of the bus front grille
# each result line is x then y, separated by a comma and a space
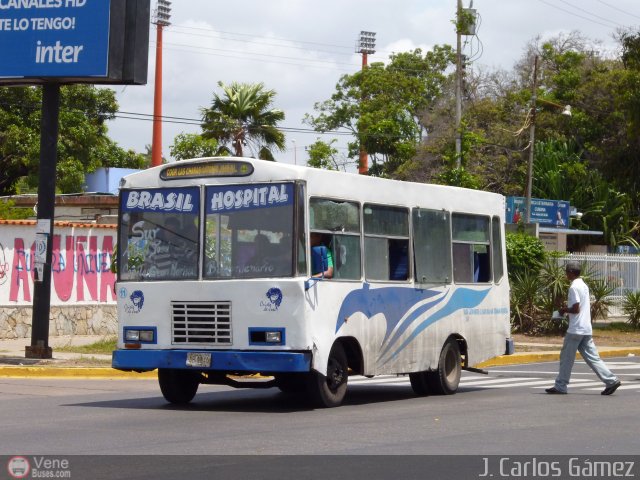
201, 323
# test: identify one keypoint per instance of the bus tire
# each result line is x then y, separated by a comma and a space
291, 382
445, 380
178, 386
329, 391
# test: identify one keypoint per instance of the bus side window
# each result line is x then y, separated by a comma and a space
339, 223
346, 257
386, 242
432, 246
398, 259
471, 248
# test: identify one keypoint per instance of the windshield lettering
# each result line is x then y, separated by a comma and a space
243, 198
172, 201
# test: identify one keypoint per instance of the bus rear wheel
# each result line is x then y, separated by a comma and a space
445, 380
329, 391
178, 386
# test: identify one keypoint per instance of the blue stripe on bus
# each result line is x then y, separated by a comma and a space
460, 299
229, 360
393, 302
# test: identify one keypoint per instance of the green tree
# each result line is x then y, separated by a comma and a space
83, 144
382, 106
243, 117
192, 145
323, 155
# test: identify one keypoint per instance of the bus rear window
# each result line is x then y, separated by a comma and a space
159, 234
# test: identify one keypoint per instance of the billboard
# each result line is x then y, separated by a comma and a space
72, 41
553, 213
59, 38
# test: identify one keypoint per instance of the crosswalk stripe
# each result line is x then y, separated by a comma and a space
494, 381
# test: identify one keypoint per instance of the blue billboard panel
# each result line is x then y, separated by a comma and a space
553, 213
54, 38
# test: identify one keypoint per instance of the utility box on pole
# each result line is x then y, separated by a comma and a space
468, 27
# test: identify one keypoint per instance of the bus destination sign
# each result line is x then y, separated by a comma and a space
229, 168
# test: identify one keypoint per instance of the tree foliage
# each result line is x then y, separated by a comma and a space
193, 145
382, 106
243, 117
83, 144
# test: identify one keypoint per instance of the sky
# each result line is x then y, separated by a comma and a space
301, 48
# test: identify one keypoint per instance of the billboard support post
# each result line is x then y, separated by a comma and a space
39, 347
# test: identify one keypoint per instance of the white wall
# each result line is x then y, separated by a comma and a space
81, 261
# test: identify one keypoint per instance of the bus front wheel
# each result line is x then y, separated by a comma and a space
329, 391
445, 380
178, 386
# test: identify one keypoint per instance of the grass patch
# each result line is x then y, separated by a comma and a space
616, 327
104, 346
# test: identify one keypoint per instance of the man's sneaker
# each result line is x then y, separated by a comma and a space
611, 388
555, 391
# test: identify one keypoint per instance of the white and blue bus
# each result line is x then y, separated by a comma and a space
218, 278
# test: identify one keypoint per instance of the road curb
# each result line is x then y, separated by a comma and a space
72, 372
535, 357
51, 371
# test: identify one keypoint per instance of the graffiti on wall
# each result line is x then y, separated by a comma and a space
80, 269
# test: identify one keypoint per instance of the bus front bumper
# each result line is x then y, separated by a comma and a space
224, 361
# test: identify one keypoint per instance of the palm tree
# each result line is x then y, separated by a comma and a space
243, 116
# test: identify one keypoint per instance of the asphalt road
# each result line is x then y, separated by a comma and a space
504, 413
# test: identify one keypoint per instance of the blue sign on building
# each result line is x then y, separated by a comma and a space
545, 212
54, 38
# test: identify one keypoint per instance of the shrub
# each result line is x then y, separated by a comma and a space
631, 307
601, 292
524, 253
525, 310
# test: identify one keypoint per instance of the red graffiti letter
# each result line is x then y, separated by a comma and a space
62, 268
87, 264
20, 271
107, 278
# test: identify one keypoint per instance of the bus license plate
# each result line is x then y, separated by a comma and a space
197, 359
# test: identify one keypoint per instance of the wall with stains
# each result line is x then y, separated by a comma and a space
82, 285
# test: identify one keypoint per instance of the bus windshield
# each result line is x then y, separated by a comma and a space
249, 231
159, 234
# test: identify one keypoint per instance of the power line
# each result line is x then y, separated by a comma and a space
590, 13
618, 9
574, 14
255, 36
220, 35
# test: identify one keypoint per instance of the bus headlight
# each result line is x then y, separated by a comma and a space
144, 335
273, 337
266, 336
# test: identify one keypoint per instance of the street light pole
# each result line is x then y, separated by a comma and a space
532, 139
295, 153
366, 46
163, 14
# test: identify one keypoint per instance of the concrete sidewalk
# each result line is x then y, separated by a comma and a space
64, 364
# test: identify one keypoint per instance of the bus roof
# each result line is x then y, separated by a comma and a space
324, 183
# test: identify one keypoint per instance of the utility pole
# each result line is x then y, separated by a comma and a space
532, 139
163, 15
365, 46
458, 84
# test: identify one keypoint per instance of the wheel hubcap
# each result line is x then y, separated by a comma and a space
335, 374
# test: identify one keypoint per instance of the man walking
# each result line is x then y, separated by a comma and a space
578, 337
